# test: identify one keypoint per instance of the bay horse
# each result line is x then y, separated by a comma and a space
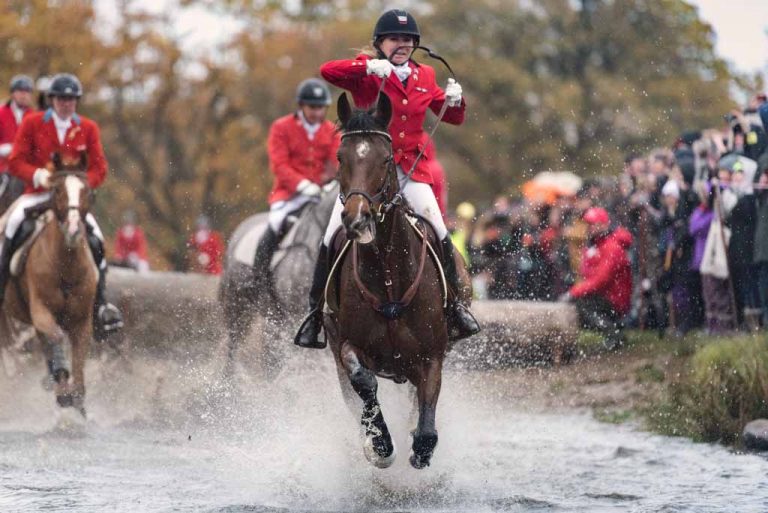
389, 320
55, 290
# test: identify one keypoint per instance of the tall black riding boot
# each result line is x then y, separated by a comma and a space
10, 245
261, 260
5, 265
313, 323
107, 319
461, 322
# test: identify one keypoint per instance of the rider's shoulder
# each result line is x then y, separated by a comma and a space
285, 121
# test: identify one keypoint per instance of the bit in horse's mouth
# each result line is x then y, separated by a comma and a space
364, 236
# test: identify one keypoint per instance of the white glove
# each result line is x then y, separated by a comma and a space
453, 93
379, 67
308, 188
5, 149
42, 178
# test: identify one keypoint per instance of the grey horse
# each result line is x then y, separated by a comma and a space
282, 306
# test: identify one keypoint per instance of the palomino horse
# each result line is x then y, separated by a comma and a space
390, 319
55, 290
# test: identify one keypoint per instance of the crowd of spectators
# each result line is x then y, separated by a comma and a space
692, 219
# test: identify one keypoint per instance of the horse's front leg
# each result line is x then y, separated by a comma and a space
54, 342
378, 448
81, 343
427, 380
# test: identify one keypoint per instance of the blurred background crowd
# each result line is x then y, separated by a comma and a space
696, 214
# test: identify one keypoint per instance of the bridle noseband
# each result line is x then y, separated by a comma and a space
382, 194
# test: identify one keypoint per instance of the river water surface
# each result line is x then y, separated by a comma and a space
163, 436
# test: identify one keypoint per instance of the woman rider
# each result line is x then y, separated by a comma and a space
412, 89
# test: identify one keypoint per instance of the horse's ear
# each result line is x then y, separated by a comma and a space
56, 159
343, 109
83, 160
383, 110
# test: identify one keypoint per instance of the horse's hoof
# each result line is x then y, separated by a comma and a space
419, 462
65, 401
376, 459
422, 450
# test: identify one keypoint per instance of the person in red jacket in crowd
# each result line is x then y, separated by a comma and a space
131, 245
302, 150
412, 89
41, 134
205, 248
11, 115
603, 293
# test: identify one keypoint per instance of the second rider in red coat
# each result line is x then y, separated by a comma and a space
302, 157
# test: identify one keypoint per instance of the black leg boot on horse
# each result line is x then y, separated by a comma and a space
262, 273
107, 319
461, 322
10, 245
313, 323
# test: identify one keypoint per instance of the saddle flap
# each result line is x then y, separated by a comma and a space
19, 257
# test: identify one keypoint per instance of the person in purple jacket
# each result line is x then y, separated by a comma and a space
716, 291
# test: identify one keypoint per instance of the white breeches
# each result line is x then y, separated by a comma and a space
419, 196
279, 210
16, 216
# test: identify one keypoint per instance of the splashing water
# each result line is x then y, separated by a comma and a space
169, 436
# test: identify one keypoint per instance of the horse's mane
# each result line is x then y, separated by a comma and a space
363, 120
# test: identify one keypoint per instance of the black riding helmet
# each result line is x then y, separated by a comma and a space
65, 84
22, 83
396, 21
313, 92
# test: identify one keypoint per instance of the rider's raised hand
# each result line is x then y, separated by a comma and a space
308, 188
453, 93
379, 67
42, 178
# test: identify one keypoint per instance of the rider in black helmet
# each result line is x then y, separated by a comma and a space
413, 91
60, 129
302, 157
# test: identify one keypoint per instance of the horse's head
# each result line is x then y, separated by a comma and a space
366, 168
70, 197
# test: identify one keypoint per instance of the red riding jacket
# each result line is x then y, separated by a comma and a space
130, 240
605, 270
36, 141
8, 129
207, 250
409, 105
294, 157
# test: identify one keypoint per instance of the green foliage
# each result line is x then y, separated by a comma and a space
649, 373
725, 387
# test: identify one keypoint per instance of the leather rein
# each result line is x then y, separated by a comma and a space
391, 309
